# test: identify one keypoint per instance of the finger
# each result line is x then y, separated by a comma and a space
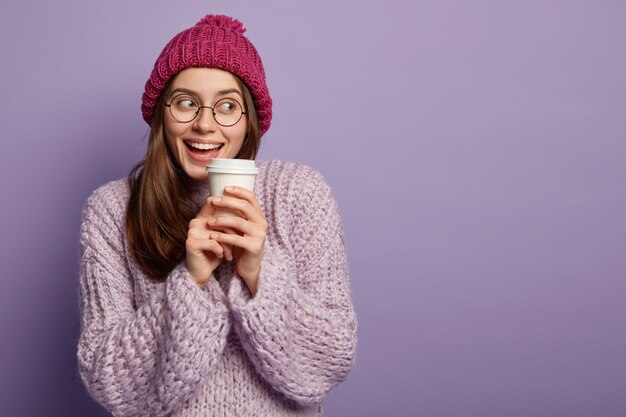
244, 193
237, 225
246, 243
211, 223
245, 207
199, 240
198, 223
207, 209
198, 233
201, 245
228, 252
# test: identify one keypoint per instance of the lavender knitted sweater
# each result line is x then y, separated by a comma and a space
172, 349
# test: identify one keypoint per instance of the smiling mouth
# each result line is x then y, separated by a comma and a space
203, 149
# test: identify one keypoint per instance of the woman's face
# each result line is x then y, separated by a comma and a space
195, 143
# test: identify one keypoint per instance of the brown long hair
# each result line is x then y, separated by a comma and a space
160, 205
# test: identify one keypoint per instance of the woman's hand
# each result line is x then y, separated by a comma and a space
203, 254
245, 231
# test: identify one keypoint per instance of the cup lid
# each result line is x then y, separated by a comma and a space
234, 166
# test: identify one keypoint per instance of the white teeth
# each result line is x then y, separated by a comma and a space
204, 146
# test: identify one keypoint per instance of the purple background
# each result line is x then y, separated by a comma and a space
479, 166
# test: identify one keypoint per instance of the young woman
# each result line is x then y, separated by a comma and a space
189, 313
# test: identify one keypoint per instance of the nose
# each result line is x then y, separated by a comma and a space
205, 121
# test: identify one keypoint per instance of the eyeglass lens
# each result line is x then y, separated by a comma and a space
226, 111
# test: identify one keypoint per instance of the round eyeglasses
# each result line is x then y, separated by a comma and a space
185, 108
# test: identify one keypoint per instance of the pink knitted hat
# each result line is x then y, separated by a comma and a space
216, 41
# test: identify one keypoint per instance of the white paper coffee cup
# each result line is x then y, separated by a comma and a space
224, 172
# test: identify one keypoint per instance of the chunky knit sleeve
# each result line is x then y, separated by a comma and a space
146, 359
300, 328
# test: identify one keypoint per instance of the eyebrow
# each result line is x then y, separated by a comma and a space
193, 93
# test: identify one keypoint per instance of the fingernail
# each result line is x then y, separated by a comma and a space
213, 236
216, 200
229, 188
211, 220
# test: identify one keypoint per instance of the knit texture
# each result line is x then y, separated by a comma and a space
216, 41
173, 349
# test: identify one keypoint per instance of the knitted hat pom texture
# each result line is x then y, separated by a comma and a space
216, 41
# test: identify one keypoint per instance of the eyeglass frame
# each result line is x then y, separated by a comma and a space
200, 107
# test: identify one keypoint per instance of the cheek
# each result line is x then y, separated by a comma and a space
170, 134
237, 142
169, 142
239, 136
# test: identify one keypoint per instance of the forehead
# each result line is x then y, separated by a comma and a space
205, 81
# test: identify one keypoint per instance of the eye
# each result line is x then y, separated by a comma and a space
185, 103
227, 106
